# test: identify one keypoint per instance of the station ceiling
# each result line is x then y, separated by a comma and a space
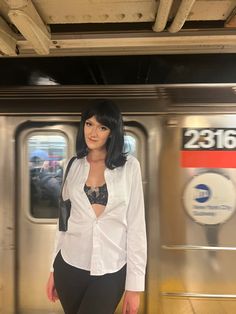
31, 28
73, 42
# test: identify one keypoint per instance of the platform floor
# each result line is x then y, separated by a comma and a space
197, 306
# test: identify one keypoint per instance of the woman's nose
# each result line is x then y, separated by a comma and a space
94, 131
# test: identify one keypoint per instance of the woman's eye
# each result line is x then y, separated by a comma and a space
103, 128
88, 123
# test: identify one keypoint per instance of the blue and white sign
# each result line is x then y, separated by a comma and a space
210, 198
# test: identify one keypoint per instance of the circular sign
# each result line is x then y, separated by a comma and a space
210, 198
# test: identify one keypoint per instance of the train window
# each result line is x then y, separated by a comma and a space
130, 144
46, 156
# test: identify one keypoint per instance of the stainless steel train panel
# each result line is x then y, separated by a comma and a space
7, 217
197, 257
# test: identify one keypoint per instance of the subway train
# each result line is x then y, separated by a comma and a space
184, 136
171, 68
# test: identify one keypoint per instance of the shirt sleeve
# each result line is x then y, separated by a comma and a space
136, 233
59, 236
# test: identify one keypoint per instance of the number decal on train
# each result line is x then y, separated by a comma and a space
209, 139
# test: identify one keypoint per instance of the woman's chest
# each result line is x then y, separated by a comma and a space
96, 175
115, 181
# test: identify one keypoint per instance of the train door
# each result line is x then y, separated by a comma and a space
42, 151
42, 148
197, 214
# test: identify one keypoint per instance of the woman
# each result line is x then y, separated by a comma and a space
103, 252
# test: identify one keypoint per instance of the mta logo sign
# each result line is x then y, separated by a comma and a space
202, 193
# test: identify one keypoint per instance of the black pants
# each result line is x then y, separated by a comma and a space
81, 293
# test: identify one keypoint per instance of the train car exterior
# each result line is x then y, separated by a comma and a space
185, 139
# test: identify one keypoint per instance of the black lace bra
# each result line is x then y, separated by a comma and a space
97, 195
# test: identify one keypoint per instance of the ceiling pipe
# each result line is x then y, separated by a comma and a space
162, 15
181, 15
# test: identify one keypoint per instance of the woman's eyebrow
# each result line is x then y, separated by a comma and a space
96, 123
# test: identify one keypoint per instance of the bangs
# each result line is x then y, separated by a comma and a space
107, 121
103, 118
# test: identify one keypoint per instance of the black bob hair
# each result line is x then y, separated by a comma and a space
108, 114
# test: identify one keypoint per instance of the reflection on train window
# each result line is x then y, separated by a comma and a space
46, 156
130, 145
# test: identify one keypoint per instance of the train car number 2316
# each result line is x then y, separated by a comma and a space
209, 139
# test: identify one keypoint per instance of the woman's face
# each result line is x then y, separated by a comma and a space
95, 134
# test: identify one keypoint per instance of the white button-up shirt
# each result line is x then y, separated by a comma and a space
104, 244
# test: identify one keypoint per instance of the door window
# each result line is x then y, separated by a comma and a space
46, 158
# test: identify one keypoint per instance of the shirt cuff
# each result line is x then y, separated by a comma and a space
135, 282
51, 269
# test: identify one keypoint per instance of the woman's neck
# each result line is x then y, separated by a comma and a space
96, 155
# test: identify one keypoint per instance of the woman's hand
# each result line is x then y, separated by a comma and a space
131, 302
51, 290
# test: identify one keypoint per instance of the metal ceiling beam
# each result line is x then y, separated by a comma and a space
136, 43
7, 39
24, 16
